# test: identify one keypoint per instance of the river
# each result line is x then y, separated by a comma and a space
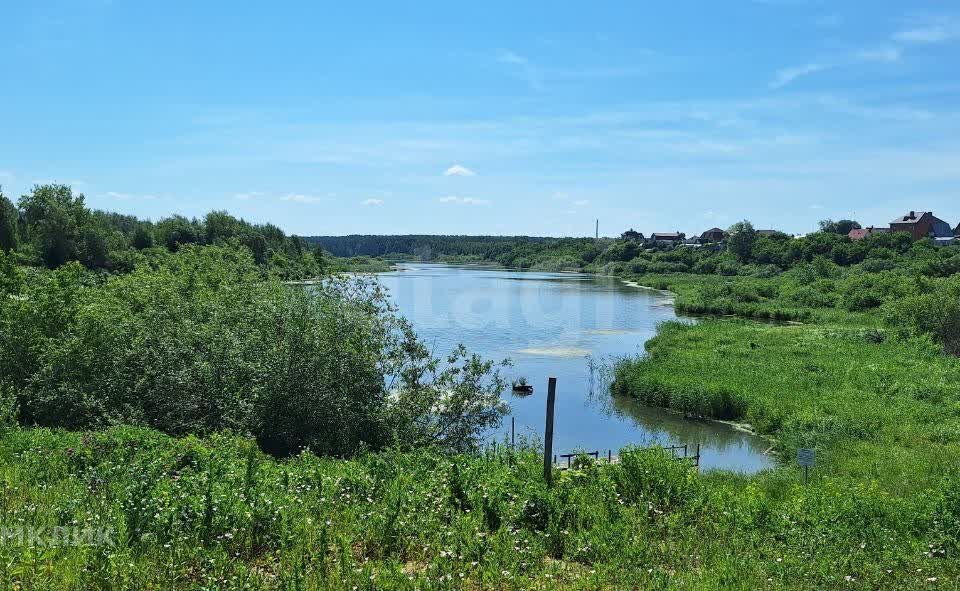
569, 326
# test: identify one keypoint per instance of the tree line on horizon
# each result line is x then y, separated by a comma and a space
51, 226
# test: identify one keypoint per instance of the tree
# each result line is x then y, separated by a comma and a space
202, 341
176, 231
742, 236
841, 227
94, 246
142, 237
220, 226
320, 259
9, 217
55, 221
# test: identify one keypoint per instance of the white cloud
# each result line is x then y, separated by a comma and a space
508, 57
458, 170
573, 203
530, 72
464, 200
816, 206
887, 55
788, 75
296, 198
372, 202
247, 196
939, 30
128, 196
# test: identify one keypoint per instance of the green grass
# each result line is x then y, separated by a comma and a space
216, 514
749, 297
882, 509
861, 398
360, 264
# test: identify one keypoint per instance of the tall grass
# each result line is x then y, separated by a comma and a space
216, 514
862, 399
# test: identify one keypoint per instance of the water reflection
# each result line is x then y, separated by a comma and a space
721, 445
556, 324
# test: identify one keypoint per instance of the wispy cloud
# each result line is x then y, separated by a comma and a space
789, 75
371, 202
828, 20
128, 196
458, 170
247, 196
882, 55
574, 203
887, 55
532, 74
535, 75
297, 198
464, 200
937, 30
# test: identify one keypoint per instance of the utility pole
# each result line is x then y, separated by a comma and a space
596, 234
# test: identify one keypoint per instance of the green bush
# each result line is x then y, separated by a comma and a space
202, 343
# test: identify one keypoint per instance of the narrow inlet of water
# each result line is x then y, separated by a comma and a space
565, 325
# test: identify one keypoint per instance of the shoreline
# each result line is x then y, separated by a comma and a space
743, 427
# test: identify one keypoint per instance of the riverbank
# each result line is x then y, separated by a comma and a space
881, 510
215, 513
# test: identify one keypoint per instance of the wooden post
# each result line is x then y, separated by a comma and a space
513, 433
548, 432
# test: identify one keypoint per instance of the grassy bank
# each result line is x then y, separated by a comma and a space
360, 264
216, 514
876, 408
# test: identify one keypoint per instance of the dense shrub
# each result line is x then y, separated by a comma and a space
934, 312
203, 343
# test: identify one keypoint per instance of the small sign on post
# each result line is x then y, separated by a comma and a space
806, 457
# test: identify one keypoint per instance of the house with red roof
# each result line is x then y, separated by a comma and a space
861, 233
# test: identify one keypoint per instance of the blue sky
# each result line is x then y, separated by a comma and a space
488, 118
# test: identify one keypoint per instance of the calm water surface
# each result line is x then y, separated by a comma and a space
570, 326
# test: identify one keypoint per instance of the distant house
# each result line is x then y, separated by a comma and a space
861, 233
922, 224
667, 237
632, 234
713, 235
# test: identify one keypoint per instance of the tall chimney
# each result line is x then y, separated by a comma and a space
913, 214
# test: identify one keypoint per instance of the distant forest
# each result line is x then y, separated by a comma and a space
422, 245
